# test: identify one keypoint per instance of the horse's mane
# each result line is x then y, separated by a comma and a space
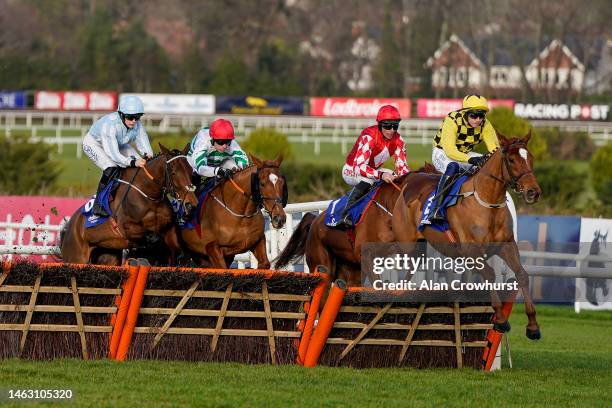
427, 168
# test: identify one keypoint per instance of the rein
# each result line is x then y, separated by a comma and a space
512, 183
256, 197
166, 187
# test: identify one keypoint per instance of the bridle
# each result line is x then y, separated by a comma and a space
167, 189
511, 180
256, 196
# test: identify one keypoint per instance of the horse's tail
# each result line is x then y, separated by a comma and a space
296, 247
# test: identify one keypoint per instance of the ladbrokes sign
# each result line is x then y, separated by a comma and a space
356, 107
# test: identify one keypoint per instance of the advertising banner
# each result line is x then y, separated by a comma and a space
439, 108
561, 111
594, 293
551, 234
75, 101
255, 105
176, 103
12, 100
34, 212
356, 107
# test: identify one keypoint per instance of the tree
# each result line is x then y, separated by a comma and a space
25, 168
388, 73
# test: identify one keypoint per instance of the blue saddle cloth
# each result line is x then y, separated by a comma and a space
333, 215
450, 200
92, 220
194, 221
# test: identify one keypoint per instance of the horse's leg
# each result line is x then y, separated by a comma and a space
174, 247
501, 322
510, 254
215, 255
259, 250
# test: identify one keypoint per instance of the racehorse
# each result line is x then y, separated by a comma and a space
339, 250
140, 211
231, 219
480, 218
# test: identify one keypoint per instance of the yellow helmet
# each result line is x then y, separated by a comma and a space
475, 102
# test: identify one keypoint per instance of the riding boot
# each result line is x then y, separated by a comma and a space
435, 214
356, 194
107, 176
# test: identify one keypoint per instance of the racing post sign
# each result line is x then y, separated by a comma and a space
561, 111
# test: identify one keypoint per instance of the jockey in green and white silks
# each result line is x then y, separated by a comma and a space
108, 143
214, 151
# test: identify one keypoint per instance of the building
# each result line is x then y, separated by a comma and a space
460, 66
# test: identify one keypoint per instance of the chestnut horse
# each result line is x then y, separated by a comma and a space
480, 218
140, 211
334, 248
231, 219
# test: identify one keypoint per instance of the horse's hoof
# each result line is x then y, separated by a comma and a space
533, 334
502, 327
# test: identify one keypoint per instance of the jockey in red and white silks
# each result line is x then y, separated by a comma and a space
375, 145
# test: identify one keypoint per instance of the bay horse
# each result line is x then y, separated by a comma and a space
336, 249
140, 211
480, 217
231, 219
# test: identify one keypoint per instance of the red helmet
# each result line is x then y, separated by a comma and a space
388, 112
221, 129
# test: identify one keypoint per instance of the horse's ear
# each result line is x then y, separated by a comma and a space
186, 149
163, 149
502, 139
526, 138
255, 160
279, 159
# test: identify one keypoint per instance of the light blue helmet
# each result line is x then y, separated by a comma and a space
131, 105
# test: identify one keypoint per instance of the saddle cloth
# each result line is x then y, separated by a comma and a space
333, 215
92, 220
449, 200
194, 221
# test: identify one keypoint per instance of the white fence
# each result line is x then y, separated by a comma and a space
41, 239
62, 128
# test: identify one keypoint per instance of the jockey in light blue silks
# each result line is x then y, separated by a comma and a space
108, 141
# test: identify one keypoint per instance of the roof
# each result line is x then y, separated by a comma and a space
482, 50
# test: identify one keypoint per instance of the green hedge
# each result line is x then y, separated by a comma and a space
600, 166
507, 123
312, 182
26, 168
267, 144
563, 145
561, 184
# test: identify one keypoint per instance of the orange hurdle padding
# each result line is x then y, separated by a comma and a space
494, 337
123, 305
133, 311
325, 324
313, 310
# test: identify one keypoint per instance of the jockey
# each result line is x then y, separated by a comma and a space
107, 143
373, 147
215, 152
460, 132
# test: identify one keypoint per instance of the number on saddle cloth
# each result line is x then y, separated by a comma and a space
333, 215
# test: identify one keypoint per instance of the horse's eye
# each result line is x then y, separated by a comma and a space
511, 161
262, 184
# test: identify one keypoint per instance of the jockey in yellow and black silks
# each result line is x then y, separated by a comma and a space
460, 132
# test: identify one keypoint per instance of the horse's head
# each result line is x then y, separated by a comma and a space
177, 181
269, 189
517, 167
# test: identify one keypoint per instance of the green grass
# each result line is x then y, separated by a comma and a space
570, 366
